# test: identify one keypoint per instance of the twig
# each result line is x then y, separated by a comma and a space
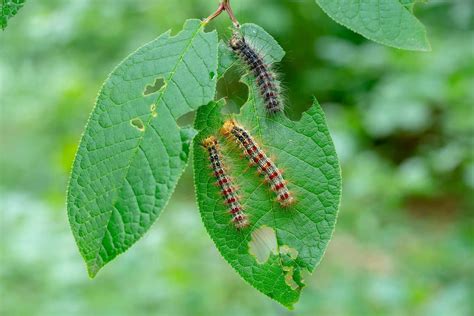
223, 6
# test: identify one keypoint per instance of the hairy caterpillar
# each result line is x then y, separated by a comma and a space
258, 157
268, 85
239, 219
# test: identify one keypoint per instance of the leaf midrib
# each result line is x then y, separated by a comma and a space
253, 103
142, 136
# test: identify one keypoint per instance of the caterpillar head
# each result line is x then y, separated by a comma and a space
210, 141
236, 41
227, 127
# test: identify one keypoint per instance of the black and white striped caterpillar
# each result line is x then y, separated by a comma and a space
257, 156
231, 198
268, 85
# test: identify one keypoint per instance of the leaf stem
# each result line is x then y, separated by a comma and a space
223, 6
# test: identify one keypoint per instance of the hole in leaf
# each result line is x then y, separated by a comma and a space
173, 32
235, 92
303, 274
186, 119
212, 74
263, 244
138, 124
286, 250
289, 271
153, 110
293, 276
156, 86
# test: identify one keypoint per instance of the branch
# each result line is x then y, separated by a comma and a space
223, 6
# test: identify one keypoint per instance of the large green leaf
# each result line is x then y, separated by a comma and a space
133, 152
387, 22
280, 244
410, 4
8, 9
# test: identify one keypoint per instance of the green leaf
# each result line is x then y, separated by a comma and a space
280, 244
264, 43
410, 4
133, 152
8, 9
384, 21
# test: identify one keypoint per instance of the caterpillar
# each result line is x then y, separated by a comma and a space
258, 157
268, 85
231, 198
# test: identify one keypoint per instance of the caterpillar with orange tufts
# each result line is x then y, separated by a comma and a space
231, 198
257, 156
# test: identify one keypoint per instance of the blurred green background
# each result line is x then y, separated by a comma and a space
403, 124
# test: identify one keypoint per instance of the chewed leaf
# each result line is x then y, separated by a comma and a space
280, 243
259, 39
133, 151
388, 22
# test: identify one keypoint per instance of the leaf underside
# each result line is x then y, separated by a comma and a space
388, 22
304, 150
133, 152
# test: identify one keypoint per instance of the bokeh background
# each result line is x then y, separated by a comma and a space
403, 124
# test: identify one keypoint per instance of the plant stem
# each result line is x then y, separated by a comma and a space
223, 6
229, 11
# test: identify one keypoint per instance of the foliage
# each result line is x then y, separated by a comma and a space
306, 227
304, 150
383, 21
113, 198
387, 21
133, 151
8, 9
403, 243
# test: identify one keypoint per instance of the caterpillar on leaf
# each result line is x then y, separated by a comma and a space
268, 86
257, 156
229, 193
